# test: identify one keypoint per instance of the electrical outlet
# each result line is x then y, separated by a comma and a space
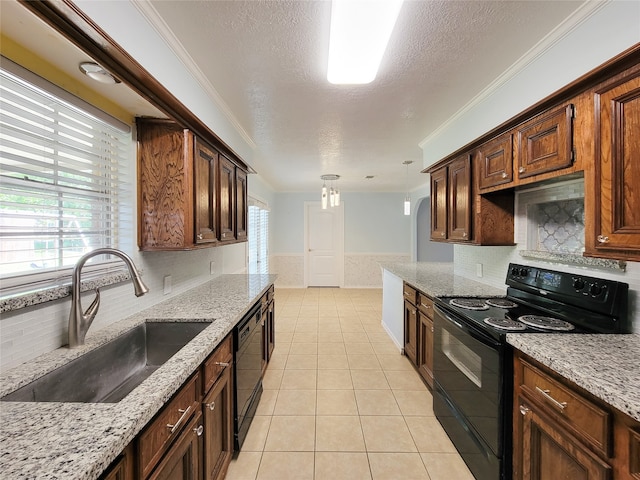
479, 270
167, 285
212, 268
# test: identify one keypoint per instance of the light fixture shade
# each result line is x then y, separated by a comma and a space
407, 206
360, 31
332, 197
337, 198
324, 198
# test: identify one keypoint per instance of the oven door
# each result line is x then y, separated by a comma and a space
469, 375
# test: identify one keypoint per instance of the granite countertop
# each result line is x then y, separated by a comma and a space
80, 440
439, 280
607, 366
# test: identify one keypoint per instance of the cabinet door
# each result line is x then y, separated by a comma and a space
425, 348
494, 160
227, 188
439, 204
617, 170
459, 212
549, 452
545, 143
182, 461
205, 170
410, 331
268, 334
241, 205
218, 428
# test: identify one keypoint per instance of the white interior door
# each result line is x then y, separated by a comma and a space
324, 242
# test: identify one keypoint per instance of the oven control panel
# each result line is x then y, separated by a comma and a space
592, 293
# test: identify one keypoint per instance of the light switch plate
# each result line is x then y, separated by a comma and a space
167, 285
479, 270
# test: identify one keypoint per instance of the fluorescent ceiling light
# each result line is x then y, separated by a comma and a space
360, 31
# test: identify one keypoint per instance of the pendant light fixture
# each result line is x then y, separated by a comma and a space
329, 197
407, 198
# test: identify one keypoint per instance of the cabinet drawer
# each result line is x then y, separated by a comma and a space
425, 305
582, 417
213, 366
158, 436
410, 293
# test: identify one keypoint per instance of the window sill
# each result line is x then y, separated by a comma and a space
37, 296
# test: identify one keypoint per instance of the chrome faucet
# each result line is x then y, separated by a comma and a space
80, 322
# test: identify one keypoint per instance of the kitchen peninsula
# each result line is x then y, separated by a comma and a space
80, 440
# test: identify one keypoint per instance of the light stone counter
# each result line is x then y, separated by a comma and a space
438, 280
80, 440
608, 366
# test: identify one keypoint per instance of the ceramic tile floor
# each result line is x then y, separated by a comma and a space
340, 401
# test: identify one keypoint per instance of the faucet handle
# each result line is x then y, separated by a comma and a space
91, 312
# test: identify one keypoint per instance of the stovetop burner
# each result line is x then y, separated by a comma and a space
500, 303
546, 323
505, 323
469, 303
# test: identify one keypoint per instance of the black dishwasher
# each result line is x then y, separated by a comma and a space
247, 357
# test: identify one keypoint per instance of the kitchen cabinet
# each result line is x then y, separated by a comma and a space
614, 228
268, 328
451, 201
186, 190
561, 431
410, 322
494, 161
424, 354
418, 331
122, 467
217, 411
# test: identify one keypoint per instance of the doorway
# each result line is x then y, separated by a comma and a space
324, 245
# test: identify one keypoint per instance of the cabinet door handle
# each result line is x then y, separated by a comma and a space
545, 393
603, 239
198, 430
199, 236
425, 306
211, 406
524, 410
521, 170
464, 235
185, 414
504, 175
222, 364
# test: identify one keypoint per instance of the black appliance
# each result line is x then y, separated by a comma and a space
247, 357
472, 366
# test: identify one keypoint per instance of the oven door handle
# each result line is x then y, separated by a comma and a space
469, 330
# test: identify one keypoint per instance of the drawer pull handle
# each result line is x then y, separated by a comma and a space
556, 403
198, 430
185, 414
222, 364
603, 239
425, 306
211, 406
524, 410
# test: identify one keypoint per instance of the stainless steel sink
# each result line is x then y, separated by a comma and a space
108, 373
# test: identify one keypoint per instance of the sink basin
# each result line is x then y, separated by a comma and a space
108, 373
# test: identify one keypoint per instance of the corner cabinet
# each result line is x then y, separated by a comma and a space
189, 194
615, 230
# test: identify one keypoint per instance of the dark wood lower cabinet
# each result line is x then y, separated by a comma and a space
217, 409
425, 348
549, 452
182, 461
410, 331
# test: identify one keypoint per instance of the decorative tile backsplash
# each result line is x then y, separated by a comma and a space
560, 226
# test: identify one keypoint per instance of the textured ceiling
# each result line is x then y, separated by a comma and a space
267, 61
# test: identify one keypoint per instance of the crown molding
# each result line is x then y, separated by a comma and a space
577, 18
148, 11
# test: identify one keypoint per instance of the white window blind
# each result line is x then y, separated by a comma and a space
258, 237
62, 182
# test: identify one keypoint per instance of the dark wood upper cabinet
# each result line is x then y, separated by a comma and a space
494, 161
186, 190
459, 212
616, 220
545, 143
439, 204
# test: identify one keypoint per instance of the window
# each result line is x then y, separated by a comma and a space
258, 237
62, 179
